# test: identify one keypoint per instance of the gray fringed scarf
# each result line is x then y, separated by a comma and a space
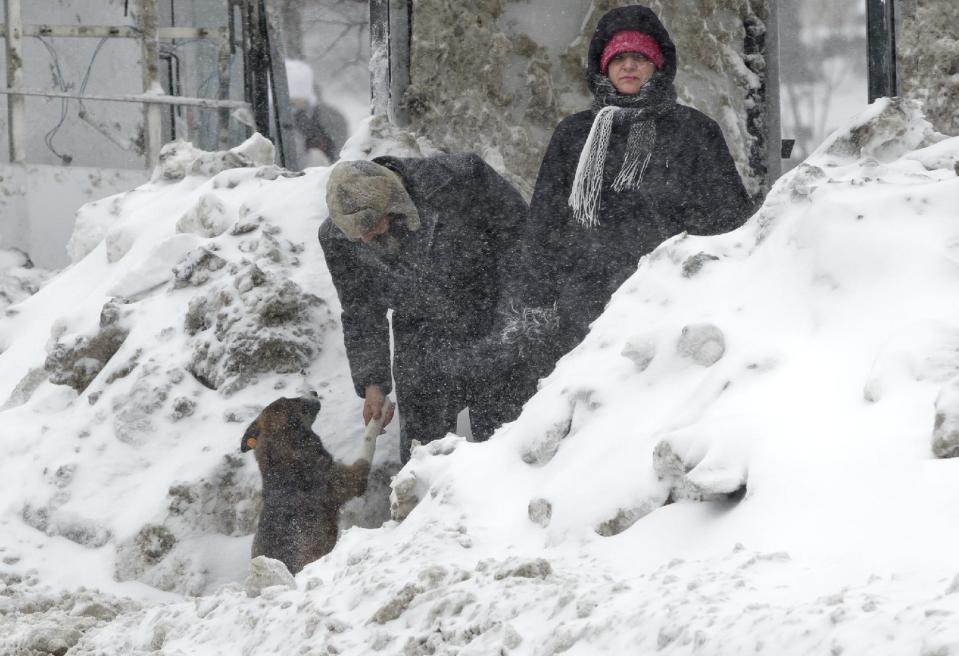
639, 111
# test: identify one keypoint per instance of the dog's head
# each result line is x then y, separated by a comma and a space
283, 433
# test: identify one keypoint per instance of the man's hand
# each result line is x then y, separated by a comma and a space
373, 405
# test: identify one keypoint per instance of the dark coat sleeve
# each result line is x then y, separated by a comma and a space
366, 331
495, 362
527, 262
719, 202
544, 244
506, 215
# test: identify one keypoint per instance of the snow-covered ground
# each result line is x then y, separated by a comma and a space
737, 459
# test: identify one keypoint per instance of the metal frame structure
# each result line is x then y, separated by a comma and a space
265, 89
379, 57
774, 141
16, 107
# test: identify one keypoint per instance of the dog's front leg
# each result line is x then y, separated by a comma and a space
350, 480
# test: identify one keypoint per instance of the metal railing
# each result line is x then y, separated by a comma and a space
264, 74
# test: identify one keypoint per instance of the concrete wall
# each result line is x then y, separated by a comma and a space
929, 59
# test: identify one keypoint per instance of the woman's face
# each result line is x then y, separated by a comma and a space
629, 71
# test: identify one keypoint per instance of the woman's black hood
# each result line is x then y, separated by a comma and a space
633, 17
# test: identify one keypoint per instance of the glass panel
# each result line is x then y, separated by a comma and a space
193, 68
330, 87
109, 133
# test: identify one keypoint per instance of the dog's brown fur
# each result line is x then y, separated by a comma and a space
303, 487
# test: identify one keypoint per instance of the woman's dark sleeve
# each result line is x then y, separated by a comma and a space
544, 244
500, 356
526, 323
505, 214
718, 201
366, 331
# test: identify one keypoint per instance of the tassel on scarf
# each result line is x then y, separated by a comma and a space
584, 198
588, 182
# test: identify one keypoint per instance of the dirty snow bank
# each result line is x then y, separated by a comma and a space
127, 380
737, 458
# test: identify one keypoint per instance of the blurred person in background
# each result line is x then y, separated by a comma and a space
321, 129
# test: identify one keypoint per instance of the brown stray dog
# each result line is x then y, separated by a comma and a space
303, 487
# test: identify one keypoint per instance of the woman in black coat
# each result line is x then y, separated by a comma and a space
619, 179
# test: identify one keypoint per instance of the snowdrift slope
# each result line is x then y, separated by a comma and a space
738, 458
126, 382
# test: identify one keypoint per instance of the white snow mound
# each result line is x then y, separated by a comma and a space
127, 380
738, 458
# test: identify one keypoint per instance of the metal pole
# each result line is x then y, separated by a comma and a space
223, 62
117, 31
152, 113
774, 140
164, 99
16, 112
280, 89
258, 52
761, 49
379, 57
401, 36
881, 45
754, 51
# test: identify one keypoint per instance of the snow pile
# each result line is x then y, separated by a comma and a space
127, 381
765, 364
739, 456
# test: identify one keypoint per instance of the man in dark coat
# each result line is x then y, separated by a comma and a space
619, 179
436, 240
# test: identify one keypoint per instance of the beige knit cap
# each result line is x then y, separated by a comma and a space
360, 193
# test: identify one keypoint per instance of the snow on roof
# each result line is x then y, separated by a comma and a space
737, 457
